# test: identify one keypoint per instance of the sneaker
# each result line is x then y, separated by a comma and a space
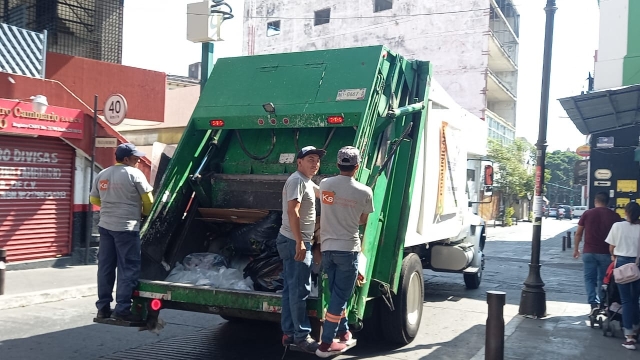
328, 350
128, 317
346, 338
104, 313
307, 345
594, 311
630, 345
287, 340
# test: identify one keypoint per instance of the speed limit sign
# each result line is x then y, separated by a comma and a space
115, 109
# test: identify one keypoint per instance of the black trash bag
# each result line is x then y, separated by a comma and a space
266, 272
255, 238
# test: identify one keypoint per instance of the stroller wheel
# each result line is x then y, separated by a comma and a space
600, 323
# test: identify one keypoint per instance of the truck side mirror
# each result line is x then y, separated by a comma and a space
488, 175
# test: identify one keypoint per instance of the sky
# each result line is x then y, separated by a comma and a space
155, 38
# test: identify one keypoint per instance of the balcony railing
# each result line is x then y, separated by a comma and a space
503, 31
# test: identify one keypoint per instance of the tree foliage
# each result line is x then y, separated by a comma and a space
560, 166
512, 173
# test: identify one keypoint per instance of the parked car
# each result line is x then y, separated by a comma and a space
553, 212
579, 210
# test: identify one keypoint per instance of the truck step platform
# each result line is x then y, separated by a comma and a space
111, 321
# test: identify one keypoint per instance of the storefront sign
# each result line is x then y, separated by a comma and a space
19, 118
104, 142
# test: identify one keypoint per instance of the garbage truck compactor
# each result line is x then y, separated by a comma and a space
207, 245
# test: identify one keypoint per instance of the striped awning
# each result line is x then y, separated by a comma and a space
22, 52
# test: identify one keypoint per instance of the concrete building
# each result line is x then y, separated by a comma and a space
610, 114
472, 44
86, 28
618, 55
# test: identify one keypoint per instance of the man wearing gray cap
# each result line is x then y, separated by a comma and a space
345, 204
294, 247
123, 194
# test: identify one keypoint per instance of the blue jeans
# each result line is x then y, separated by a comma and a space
121, 250
595, 268
629, 295
297, 287
341, 271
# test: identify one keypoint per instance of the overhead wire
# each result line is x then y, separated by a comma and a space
394, 16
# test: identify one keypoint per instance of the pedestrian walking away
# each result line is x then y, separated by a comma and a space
624, 241
294, 247
345, 205
595, 225
124, 196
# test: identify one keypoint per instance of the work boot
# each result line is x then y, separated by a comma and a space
104, 313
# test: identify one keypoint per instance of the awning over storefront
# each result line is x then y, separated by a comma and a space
604, 110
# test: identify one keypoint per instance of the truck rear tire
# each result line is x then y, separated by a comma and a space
401, 325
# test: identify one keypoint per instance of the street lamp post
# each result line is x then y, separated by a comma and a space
533, 298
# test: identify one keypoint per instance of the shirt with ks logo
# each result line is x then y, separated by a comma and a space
343, 201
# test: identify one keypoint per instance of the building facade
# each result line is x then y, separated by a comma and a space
86, 28
472, 44
618, 55
45, 156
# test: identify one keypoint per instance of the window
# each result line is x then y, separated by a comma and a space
322, 17
471, 175
382, 5
273, 28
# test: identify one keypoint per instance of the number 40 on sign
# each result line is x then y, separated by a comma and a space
115, 109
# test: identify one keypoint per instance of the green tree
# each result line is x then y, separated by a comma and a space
560, 165
512, 175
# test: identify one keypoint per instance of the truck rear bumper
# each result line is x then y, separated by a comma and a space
205, 299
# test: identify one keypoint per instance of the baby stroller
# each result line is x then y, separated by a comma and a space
608, 317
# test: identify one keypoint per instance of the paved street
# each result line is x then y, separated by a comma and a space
452, 325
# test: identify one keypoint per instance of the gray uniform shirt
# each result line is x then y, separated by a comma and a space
301, 188
343, 200
119, 188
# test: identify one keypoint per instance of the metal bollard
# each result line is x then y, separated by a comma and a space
564, 243
494, 338
569, 239
3, 269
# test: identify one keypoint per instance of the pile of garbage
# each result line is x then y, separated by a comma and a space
248, 260
208, 269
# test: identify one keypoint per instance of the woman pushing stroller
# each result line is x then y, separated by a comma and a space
624, 246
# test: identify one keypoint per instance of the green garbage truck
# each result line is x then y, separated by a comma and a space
226, 176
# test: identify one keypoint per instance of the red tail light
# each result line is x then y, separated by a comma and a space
335, 119
156, 304
216, 123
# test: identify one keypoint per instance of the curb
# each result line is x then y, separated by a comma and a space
46, 296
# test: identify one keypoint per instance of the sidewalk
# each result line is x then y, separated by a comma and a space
565, 333
37, 286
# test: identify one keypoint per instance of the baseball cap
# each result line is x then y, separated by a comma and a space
348, 155
310, 150
126, 150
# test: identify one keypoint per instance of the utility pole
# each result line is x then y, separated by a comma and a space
533, 298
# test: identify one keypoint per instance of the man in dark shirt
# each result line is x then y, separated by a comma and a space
595, 225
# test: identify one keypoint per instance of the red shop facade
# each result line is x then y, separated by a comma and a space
37, 169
